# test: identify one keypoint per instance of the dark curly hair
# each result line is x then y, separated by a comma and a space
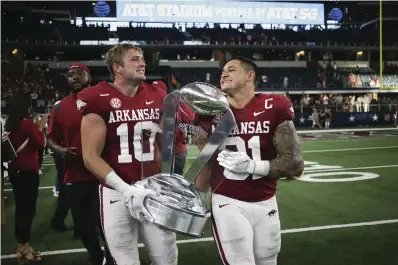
19, 108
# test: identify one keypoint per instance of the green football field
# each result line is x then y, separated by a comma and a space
344, 210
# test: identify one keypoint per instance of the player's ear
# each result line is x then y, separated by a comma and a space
251, 76
116, 68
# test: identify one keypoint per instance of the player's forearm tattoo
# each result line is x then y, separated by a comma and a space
289, 162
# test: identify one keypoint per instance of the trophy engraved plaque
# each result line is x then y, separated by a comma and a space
179, 207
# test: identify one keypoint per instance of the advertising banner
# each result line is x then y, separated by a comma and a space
249, 12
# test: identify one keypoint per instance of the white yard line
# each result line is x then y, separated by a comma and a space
346, 169
350, 149
207, 239
40, 188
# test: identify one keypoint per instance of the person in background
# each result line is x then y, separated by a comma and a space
328, 117
365, 103
58, 220
358, 104
3, 209
37, 117
322, 117
59, 166
24, 170
81, 187
316, 119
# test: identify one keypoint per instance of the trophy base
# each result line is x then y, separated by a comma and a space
179, 208
177, 220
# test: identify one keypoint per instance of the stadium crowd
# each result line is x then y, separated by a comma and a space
46, 86
45, 31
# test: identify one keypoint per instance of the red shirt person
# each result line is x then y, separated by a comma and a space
81, 190
63, 133
28, 137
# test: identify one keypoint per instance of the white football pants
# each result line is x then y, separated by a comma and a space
246, 233
121, 233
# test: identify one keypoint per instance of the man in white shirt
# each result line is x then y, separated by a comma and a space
358, 104
285, 82
325, 100
365, 103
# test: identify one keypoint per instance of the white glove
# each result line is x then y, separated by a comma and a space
238, 162
134, 196
238, 165
234, 175
134, 200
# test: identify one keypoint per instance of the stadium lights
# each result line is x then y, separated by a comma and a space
15, 52
300, 53
360, 53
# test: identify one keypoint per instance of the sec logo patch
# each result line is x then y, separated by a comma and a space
116, 103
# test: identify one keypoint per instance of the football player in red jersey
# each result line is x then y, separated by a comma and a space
261, 149
80, 186
120, 140
185, 116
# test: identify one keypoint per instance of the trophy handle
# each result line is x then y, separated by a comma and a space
226, 125
169, 119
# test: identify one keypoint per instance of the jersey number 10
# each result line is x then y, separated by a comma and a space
123, 133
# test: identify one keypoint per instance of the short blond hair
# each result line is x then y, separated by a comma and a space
116, 55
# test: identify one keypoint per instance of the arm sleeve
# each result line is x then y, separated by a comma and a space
36, 137
53, 131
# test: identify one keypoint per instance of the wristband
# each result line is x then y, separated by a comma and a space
115, 182
261, 169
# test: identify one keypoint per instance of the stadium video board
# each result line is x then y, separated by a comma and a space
221, 11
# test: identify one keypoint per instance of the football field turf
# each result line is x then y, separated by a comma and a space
344, 210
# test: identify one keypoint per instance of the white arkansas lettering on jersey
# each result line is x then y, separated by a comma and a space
134, 115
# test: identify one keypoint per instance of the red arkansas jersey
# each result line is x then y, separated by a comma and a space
132, 125
255, 127
64, 129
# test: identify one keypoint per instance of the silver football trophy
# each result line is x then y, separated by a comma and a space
179, 207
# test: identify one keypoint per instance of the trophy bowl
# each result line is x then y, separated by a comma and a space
204, 98
179, 207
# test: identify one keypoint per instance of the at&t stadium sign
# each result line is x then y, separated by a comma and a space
221, 12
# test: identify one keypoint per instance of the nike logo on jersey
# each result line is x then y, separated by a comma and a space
112, 202
258, 113
222, 205
149, 102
